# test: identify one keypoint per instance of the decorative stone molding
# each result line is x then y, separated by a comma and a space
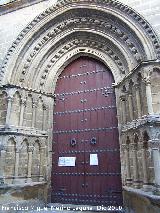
106, 7
145, 120
107, 3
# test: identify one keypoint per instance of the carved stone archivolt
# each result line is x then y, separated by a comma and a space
51, 39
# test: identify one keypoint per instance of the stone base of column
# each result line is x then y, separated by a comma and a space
147, 188
156, 190
41, 179
136, 184
128, 182
1, 181
29, 180
18, 180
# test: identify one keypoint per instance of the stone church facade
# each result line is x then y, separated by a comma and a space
128, 45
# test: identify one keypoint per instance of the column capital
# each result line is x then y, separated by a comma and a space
34, 104
23, 102
123, 98
17, 149
124, 147
147, 80
137, 85
134, 146
146, 76
130, 94
30, 148
44, 107
42, 148
10, 98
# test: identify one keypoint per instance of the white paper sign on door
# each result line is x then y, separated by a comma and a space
67, 161
93, 159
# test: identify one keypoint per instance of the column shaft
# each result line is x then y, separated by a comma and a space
8, 111
2, 165
29, 166
156, 159
42, 159
135, 168
138, 102
128, 171
34, 116
16, 164
123, 107
130, 107
144, 166
149, 98
21, 114
16, 180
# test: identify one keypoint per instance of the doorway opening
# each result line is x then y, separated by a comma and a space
86, 157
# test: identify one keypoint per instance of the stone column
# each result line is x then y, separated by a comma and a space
156, 160
9, 108
138, 101
135, 166
30, 152
149, 95
42, 162
128, 170
23, 104
16, 180
130, 104
2, 164
144, 165
123, 109
34, 114
44, 118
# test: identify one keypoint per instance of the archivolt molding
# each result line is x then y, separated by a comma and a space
71, 56
51, 27
83, 46
99, 25
55, 56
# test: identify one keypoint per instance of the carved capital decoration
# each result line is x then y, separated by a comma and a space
123, 98
133, 146
23, 102
146, 74
30, 148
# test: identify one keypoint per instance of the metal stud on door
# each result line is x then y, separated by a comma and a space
86, 159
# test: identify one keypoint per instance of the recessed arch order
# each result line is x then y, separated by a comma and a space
106, 30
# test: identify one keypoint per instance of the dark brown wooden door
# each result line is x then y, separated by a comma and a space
85, 127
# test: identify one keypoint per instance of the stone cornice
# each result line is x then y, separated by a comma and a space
15, 5
137, 69
146, 120
8, 86
22, 131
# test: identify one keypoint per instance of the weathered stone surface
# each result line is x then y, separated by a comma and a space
137, 201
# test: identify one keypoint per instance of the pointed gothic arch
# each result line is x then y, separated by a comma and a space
125, 38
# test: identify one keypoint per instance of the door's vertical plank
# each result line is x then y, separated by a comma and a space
86, 111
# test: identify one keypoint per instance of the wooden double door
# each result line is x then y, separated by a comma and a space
86, 157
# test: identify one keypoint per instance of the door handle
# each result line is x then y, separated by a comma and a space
86, 184
82, 162
83, 185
